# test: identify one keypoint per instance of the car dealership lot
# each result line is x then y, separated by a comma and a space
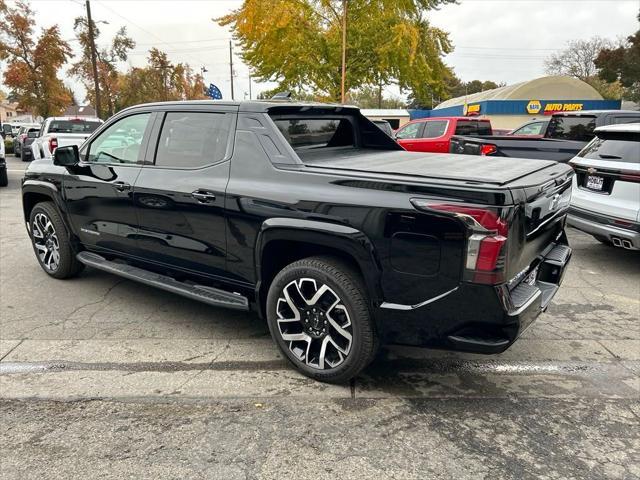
129, 381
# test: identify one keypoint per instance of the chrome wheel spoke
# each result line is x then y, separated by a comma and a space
45, 241
314, 322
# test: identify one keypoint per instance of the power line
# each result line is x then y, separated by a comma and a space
198, 60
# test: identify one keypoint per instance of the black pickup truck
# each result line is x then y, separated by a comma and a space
312, 216
566, 134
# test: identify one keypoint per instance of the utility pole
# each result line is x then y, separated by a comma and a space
344, 51
231, 67
250, 87
94, 62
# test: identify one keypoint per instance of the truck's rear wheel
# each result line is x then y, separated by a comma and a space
318, 315
50, 241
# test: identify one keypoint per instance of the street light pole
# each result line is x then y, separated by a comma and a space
94, 62
231, 67
344, 51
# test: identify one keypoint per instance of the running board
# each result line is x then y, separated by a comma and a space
209, 295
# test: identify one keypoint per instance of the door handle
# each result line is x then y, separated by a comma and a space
121, 186
204, 196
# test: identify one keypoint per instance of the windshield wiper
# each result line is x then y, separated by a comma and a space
610, 157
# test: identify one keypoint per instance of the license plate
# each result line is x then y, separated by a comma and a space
595, 183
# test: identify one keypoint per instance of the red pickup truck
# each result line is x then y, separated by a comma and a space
434, 134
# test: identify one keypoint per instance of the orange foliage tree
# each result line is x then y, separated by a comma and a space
33, 63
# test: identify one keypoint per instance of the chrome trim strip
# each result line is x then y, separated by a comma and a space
398, 306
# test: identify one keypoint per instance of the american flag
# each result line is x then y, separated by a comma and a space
214, 92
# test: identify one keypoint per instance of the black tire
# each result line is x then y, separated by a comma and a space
4, 179
67, 265
351, 308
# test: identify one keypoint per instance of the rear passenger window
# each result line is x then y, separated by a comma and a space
192, 139
434, 129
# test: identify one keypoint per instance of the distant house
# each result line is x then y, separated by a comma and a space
10, 112
80, 111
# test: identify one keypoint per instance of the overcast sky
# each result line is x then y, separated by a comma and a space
499, 40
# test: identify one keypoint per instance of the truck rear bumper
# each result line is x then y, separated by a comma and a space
602, 227
478, 318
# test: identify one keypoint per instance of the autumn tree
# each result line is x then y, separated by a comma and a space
622, 64
578, 60
106, 62
160, 80
33, 63
297, 43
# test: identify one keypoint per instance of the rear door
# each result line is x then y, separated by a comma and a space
434, 137
180, 192
99, 190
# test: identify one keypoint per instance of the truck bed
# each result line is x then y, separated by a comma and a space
489, 170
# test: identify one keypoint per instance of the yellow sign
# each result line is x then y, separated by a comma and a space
562, 107
473, 109
534, 106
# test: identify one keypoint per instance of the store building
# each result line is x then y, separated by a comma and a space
395, 116
511, 106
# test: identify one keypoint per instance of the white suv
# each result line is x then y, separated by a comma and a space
606, 188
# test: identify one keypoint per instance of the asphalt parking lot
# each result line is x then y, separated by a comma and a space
104, 378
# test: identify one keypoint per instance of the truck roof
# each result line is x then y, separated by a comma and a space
621, 127
594, 112
249, 105
89, 119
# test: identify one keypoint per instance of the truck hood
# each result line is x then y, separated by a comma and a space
497, 171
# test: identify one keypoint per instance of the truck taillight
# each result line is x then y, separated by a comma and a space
488, 149
53, 144
486, 243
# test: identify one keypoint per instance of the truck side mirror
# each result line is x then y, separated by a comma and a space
66, 156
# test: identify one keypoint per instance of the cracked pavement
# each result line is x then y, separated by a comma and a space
101, 377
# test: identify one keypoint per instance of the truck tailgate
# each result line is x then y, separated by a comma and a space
542, 201
494, 171
66, 139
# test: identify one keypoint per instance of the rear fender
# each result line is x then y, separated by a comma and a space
347, 240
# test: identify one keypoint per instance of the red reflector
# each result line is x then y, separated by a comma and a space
488, 149
630, 177
489, 252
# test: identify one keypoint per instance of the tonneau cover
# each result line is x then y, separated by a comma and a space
491, 170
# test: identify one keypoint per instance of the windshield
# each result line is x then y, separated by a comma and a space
72, 126
572, 128
619, 148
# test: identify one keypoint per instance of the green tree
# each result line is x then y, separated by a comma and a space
33, 63
297, 43
622, 64
106, 62
372, 97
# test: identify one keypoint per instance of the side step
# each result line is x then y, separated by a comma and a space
210, 295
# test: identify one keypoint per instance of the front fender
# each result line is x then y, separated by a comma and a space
347, 240
40, 189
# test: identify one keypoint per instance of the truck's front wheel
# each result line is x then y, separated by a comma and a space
319, 316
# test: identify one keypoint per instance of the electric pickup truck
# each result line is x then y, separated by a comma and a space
314, 218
